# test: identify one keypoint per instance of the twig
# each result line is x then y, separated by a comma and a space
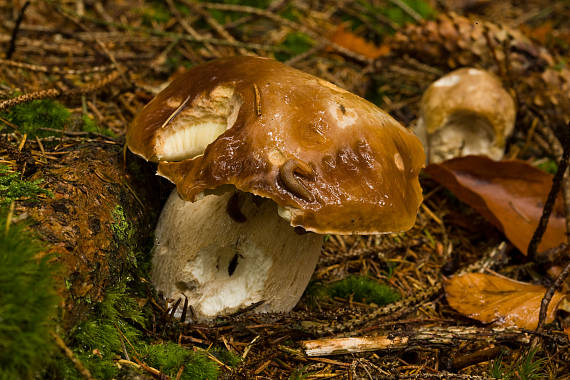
55, 70
423, 337
439, 375
54, 92
549, 204
101, 45
407, 9
185, 37
15, 30
188, 28
215, 25
76, 362
548, 297
291, 24
151, 370
476, 357
352, 324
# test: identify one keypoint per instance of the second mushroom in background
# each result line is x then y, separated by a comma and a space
265, 158
465, 112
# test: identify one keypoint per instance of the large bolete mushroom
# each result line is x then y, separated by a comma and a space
265, 158
467, 111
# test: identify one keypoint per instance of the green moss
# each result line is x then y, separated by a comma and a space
399, 16
13, 188
361, 288
291, 13
295, 43
33, 116
224, 17
226, 357
90, 125
549, 166
117, 324
250, 3
528, 367
369, 14
28, 304
169, 357
154, 12
97, 341
122, 229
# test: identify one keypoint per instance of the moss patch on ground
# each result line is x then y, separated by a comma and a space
119, 325
12, 187
360, 288
47, 117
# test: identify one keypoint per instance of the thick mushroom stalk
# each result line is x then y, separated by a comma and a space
465, 112
288, 144
227, 252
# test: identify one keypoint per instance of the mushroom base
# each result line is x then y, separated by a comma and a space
227, 252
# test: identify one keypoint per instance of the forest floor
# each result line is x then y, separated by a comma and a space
90, 66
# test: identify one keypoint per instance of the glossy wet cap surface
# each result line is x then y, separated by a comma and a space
333, 161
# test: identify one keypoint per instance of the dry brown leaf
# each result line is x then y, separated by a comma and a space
509, 194
540, 33
357, 44
499, 300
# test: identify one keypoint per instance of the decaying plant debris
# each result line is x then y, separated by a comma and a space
104, 60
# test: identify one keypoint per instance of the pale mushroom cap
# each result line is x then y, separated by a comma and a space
334, 162
469, 91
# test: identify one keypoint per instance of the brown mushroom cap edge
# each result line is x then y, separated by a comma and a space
334, 161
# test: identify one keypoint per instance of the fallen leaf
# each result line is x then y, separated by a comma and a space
509, 194
499, 300
540, 33
357, 44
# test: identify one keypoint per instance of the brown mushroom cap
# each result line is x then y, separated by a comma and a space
335, 161
469, 91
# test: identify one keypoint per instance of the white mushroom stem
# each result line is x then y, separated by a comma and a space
222, 265
462, 134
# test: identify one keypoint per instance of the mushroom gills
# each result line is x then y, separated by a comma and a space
192, 127
231, 265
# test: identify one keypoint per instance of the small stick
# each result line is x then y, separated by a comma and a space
424, 337
549, 204
476, 357
15, 31
55, 69
54, 92
407, 9
257, 100
340, 346
548, 297
76, 362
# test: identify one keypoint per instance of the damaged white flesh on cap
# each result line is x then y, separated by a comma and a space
227, 252
195, 124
